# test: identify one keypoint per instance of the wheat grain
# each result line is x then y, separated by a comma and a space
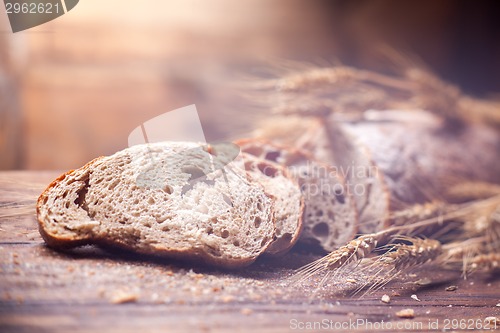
356, 249
419, 252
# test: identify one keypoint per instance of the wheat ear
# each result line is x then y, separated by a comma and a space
402, 256
399, 258
419, 252
355, 250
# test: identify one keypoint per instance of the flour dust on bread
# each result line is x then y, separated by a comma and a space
289, 203
330, 217
161, 199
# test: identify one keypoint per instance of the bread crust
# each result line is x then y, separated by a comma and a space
200, 254
51, 240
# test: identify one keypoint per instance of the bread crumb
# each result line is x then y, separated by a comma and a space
351, 281
415, 297
395, 293
498, 304
406, 313
451, 288
386, 299
246, 311
120, 297
492, 320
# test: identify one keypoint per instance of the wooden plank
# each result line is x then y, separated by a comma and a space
92, 290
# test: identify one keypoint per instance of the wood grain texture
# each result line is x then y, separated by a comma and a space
90, 290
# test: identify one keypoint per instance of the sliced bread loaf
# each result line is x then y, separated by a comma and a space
330, 217
162, 199
289, 203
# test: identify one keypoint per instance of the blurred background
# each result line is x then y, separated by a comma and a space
74, 88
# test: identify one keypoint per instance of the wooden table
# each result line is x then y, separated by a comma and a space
89, 290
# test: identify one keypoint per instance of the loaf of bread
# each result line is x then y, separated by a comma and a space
332, 145
393, 159
163, 199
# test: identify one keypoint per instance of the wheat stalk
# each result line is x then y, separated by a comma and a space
467, 190
405, 252
356, 90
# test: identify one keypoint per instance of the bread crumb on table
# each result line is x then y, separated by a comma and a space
120, 297
451, 288
423, 282
406, 313
386, 299
415, 297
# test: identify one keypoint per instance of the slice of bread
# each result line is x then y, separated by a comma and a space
162, 199
365, 181
330, 217
289, 203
